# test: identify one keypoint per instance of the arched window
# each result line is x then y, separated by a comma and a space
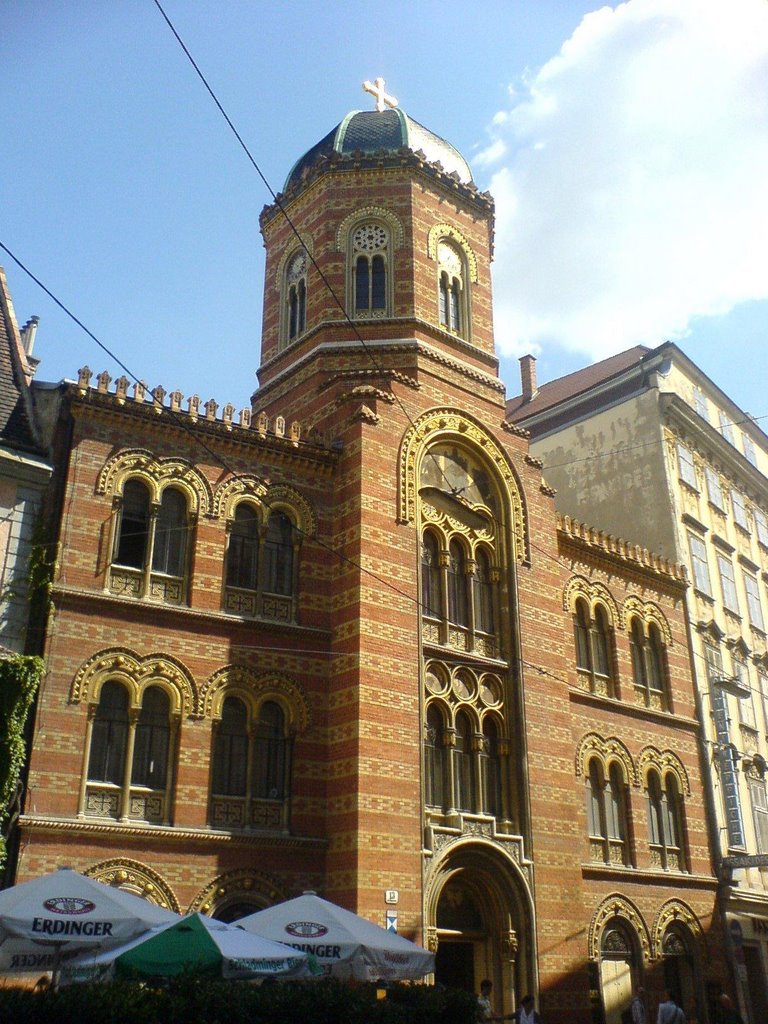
230, 750
483, 605
152, 741
295, 297
260, 572
109, 736
243, 550
270, 753
464, 766
601, 662
250, 767
129, 757
606, 813
163, 532
648, 664
452, 277
592, 639
434, 758
278, 554
665, 822
457, 584
133, 529
170, 544
430, 576
581, 632
491, 769
370, 254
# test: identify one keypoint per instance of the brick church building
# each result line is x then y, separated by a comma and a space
341, 641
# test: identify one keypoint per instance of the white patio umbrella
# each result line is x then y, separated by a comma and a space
47, 918
192, 943
344, 944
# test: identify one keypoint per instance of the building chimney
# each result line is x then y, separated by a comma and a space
528, 377
28, 332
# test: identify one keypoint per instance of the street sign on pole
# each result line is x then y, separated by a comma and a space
746, 860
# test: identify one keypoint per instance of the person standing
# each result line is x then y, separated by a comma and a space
525, 1013
484, 1007
726, 1012
669, 1011
637, 1011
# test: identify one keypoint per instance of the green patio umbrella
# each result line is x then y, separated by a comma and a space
195, 943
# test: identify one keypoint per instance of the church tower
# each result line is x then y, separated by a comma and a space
378, 335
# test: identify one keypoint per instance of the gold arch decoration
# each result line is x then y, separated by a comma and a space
593, 593
676, 912
282, 496
137, 673
607, 750
452, 425
156, 474
392, 221
612, 908
663, 761
136, 878
307, 241
227, 494
649, 612
237, 885
262, 686
438, 231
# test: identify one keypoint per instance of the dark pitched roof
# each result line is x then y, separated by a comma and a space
16, 411
573, 384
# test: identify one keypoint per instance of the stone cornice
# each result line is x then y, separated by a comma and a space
639, 711
382, 160
276, 440
615, 549
138, 831
153, 610
382, 346
677, 881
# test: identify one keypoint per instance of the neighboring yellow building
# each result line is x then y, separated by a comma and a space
647, 446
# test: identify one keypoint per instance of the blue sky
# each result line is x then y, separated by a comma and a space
626, 147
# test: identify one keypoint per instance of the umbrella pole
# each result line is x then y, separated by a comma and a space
56, 967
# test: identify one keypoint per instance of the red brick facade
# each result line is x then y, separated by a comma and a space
435, 732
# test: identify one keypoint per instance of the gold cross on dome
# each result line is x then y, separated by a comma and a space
382, 98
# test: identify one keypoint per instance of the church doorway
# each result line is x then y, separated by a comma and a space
482, 924
455, 964
618, 971
680, 969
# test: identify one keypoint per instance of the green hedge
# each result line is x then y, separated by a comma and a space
190, 1001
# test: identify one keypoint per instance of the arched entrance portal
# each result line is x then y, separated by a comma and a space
481, 921
619, 969
679, 967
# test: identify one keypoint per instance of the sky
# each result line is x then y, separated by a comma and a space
626, 147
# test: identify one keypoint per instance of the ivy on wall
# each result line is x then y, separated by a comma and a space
19, 679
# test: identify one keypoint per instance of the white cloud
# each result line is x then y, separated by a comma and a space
630, 178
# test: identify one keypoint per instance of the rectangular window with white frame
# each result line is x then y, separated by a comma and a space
761, 526
714, 489
700, 403
728, 584
726, 427
762, 678
739, 509
686, 466
759, 800
747, 702
700, 564
754, 607
749, 449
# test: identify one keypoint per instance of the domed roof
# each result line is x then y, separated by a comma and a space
372, 130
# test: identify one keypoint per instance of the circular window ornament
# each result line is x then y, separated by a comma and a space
449, 259
435, 681
463, 687
490, 691
369, 238
297, 267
